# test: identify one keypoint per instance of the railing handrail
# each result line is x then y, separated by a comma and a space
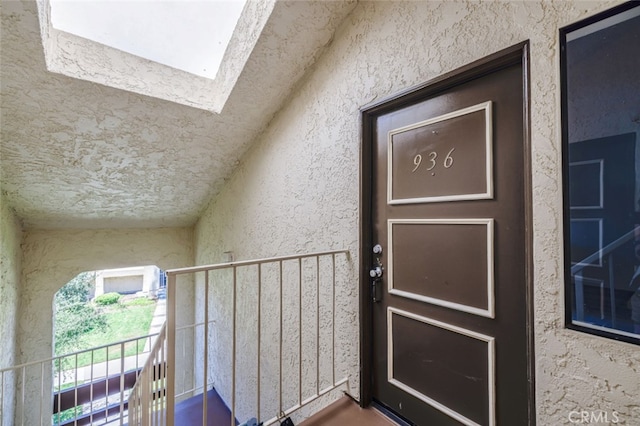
57, 357
586, 262
159, 341
216, 266
172, 275
151, 378
152, 399
37, 384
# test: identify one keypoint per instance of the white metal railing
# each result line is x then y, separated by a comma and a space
147, 400
61, 391
264, 337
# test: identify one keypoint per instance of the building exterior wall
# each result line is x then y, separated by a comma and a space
297, 189
144, 280
10, 264
124, 285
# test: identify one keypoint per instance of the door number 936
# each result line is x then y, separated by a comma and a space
431, 160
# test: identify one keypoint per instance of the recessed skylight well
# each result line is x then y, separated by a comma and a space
185, 34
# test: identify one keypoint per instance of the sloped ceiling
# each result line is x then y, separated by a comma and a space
77, 154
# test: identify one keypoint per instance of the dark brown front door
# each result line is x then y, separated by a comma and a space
449, 215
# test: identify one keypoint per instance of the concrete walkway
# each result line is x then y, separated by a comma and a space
159, 316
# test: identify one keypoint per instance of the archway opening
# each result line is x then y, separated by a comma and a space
104, 325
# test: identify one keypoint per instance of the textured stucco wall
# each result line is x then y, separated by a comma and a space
297, 189
86, 59
10, 260
53, 257
106, 147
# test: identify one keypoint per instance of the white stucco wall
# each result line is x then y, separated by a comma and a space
10, 264
144, 280
297, 189
53, 257
10, 258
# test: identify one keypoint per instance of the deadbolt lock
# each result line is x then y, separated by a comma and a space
376, 272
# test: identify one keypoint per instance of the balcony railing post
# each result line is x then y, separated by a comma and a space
233, 347
24, 385
171, 352
91, 387
122, 380
280, 346
206, 348
41, 395
259, 331
300, 331
146, 395
106, 367
317, 324
75, 383
333, 318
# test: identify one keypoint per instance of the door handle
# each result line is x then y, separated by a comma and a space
376, 273
374, 290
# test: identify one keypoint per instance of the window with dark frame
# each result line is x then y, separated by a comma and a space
600, 66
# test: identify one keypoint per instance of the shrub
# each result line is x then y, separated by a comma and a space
73, 316
72, 322
107, 299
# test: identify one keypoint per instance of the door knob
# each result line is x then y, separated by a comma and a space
376, 272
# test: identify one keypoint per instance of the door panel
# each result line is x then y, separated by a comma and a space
414, 271
413, 364
442, 158
450, 338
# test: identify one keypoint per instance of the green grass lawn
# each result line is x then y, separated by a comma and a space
125, 320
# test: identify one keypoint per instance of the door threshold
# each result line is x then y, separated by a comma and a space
391, 414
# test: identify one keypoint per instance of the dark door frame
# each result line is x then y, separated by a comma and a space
518, 54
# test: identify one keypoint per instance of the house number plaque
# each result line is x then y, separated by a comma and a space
445, 158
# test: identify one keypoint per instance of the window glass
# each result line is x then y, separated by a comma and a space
601, 134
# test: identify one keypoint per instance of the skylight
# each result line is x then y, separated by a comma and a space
188, 35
